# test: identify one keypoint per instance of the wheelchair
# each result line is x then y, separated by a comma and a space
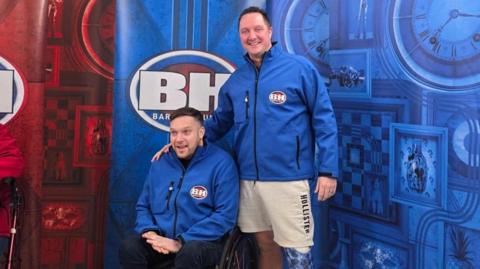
12, 260
240, 251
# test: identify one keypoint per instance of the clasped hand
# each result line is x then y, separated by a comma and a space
162, 244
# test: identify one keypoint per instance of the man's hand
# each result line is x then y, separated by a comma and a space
173, 246
161, 152
162, 244
155, 241
326, 187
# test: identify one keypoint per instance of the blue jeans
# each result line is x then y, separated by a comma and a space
136, 253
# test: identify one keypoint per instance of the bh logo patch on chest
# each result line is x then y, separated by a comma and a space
277, 97
199, 192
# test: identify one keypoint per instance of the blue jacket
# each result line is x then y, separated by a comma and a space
278, 113
199, 203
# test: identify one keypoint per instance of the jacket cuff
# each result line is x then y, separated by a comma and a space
326, 174
180, 239
152, 230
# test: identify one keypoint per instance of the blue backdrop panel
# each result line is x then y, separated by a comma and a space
405, 83
203, 37
404, 79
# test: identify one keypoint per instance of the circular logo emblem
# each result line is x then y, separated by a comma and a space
199, 192
177, 79
277, 97
12, 91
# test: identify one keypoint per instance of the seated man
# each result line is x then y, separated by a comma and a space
11, 165
189, 201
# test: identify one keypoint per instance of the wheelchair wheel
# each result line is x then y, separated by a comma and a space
240, 252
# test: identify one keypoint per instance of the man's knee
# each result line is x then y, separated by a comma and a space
190, 254
189, 251
198, 254
265, 242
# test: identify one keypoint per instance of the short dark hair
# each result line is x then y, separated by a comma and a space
254, 9
187, 111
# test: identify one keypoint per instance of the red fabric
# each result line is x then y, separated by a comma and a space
11, 165
11, 161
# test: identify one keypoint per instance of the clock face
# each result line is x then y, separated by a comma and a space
306, 31
438, 41
97, 35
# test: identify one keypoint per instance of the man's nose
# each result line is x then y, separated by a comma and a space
179, 137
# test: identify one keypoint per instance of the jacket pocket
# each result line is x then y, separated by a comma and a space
169, 195
241, 108
247, 105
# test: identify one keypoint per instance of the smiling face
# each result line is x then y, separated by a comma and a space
255, 35
186, 134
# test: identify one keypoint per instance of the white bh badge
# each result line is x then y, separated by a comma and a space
277, 97
199, 192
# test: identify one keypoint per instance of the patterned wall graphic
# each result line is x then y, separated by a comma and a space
56, 72
403, 76
77, 131
404, 80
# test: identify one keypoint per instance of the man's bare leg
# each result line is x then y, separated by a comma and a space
270, 252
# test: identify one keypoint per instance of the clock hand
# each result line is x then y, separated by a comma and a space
322, 47
319, 46
434, 38
468, 15
439, 30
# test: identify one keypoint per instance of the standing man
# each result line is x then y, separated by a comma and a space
279, 108
189, 202
11, 166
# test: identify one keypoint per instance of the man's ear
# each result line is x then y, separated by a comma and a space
202, 133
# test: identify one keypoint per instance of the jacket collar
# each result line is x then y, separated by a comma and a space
275, 50
200, 153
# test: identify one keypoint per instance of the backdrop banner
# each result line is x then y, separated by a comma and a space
168, 54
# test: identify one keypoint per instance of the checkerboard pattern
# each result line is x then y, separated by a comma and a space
60, 120
364, 145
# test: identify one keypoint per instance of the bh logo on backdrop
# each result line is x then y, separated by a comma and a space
12, 91
177, 79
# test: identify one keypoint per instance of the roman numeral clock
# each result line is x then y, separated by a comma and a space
304, 30
438, 41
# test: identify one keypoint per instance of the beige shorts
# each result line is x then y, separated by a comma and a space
280, 206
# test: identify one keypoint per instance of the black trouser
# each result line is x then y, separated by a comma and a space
135, 253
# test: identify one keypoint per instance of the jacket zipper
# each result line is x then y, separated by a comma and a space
257, 74
246, 105
169, 194
175, 205
298, 152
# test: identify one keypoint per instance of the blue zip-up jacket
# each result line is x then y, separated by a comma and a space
278, 112
199, 203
